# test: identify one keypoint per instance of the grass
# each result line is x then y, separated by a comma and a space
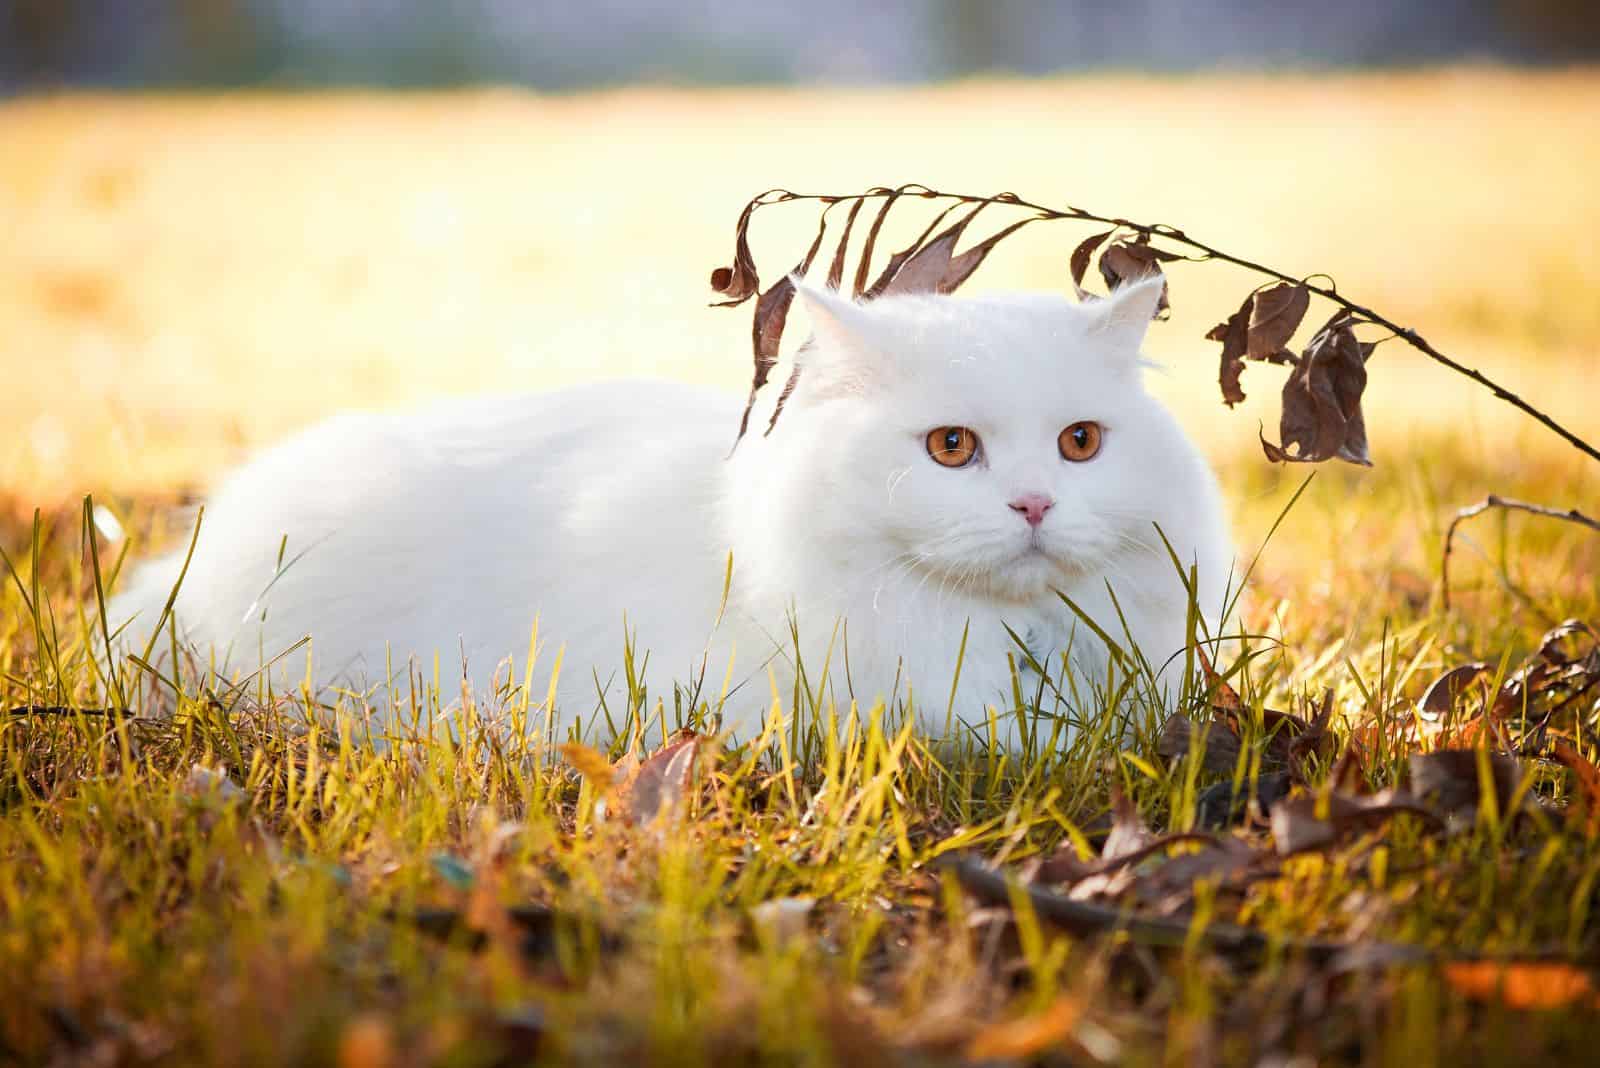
178, 269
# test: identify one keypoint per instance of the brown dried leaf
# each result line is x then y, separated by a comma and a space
1220, 805
1129, 261
1536, 985
662, 782
1304, 740
864, 265
1448, 779
1588, 776
1173, 882
962, 266
1234, 333
836, 268
1439, 701
1275, 314
1322, 400
934, 268
1128, 832
766, 332
1064, 866
739, 282
1221, 746
898, 260
1079, 263
1566, 666
1304, 823
1026, 1038
1224, 698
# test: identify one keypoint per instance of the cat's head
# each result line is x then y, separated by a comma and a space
1000, 445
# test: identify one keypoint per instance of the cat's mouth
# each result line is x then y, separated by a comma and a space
1031, 570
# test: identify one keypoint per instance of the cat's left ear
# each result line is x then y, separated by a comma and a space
843, 357
1122, 319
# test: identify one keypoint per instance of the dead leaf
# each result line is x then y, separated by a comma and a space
1234, 333
662, 782
1438, 702
1220, 750
864, 265
1588, 777
1171, 885
1128, 832
1128, 842
1129, 261
1321, 416
739, 282
766, 331
1028, 1036
1221, 806
367, 1041
898, 260
1224, 698
1448, 779
1566, 666
1275, 314
1304, 740
935, 268
1064, 866
1079, 263
1304, 823
1535, 985
836, 268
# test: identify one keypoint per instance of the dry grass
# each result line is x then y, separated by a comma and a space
182, 279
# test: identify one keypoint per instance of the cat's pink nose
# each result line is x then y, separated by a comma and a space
1032, 507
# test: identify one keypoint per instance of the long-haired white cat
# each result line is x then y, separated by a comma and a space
943, 468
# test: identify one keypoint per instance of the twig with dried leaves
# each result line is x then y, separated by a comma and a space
1321, 416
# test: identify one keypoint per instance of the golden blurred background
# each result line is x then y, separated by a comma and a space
186, 277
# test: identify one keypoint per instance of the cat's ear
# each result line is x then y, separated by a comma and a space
842, 356
1122, 319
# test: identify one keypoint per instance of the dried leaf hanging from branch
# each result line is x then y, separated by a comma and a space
1130, 261
1322, 400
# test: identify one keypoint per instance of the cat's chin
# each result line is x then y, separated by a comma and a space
1026, 576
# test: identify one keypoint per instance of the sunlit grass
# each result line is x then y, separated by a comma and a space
184, 279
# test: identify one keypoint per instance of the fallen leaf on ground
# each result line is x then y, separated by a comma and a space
1027, 1036
661, 783
1588, 776
1304, 823
1524, 985
1448, 780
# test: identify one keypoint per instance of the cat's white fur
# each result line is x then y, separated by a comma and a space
450, 530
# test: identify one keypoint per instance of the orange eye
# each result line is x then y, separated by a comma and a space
952, 446
1079, 442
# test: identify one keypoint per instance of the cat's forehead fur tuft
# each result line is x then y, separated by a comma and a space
1008, 350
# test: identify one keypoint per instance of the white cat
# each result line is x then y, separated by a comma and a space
944, 466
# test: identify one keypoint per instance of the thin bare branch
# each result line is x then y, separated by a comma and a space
1571, 515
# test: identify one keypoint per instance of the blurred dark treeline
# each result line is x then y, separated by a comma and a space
560, 45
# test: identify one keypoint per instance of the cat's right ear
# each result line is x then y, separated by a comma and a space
840, 357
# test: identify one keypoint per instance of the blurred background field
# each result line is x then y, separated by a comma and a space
186, 277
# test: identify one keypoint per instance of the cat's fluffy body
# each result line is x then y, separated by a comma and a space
450, 530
